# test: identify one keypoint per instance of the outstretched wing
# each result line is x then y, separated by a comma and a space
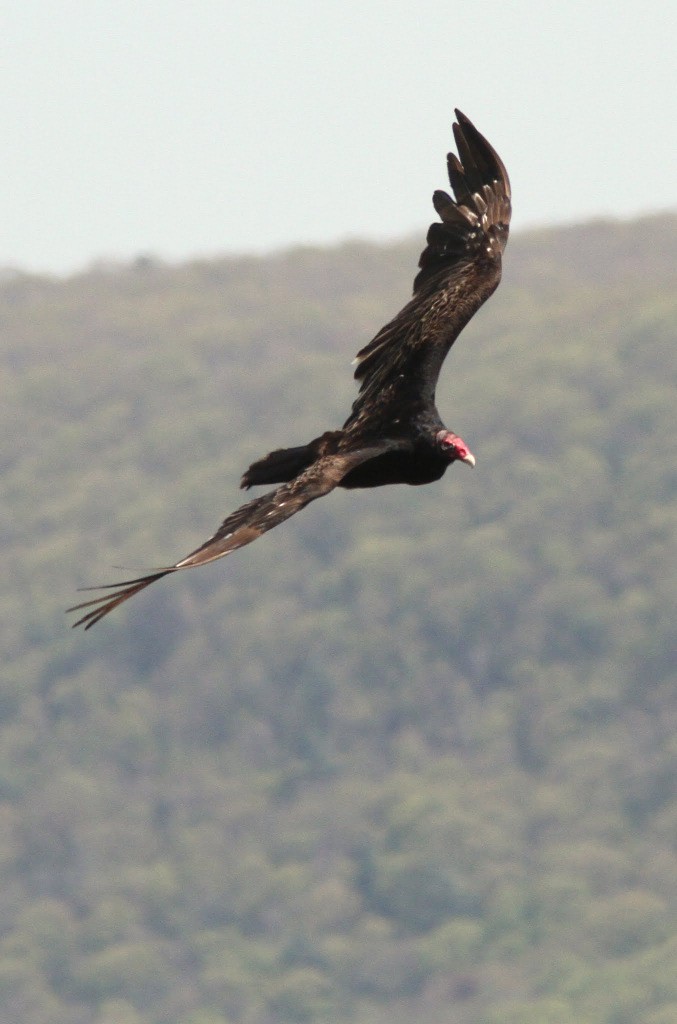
241, 527
460, 268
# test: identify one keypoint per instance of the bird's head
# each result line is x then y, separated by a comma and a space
454, 447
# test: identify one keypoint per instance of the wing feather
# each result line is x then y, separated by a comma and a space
481, 188
241, 527
459, 269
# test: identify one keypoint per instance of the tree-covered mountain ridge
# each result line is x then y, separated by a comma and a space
412, 755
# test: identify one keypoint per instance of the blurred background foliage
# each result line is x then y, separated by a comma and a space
413, 755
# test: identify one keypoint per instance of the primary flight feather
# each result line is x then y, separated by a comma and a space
394, 433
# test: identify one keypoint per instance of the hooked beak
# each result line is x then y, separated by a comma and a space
469, 459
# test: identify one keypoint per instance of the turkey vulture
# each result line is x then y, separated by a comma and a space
394, 433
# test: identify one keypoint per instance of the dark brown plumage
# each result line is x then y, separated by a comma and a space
394, 433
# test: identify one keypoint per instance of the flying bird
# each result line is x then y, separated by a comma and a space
394, 433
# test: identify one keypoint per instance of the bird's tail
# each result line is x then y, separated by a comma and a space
279, 466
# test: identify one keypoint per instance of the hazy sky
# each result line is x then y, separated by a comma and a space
182, 129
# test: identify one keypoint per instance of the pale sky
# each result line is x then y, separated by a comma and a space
218, 126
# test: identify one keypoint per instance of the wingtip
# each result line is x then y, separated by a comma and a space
474, 148
101, 606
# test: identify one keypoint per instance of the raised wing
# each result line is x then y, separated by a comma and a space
460, 268
242, 527
477, 223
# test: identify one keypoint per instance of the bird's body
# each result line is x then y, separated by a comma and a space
394, 433
407, 460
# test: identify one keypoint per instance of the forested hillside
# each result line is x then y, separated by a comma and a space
410, 757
